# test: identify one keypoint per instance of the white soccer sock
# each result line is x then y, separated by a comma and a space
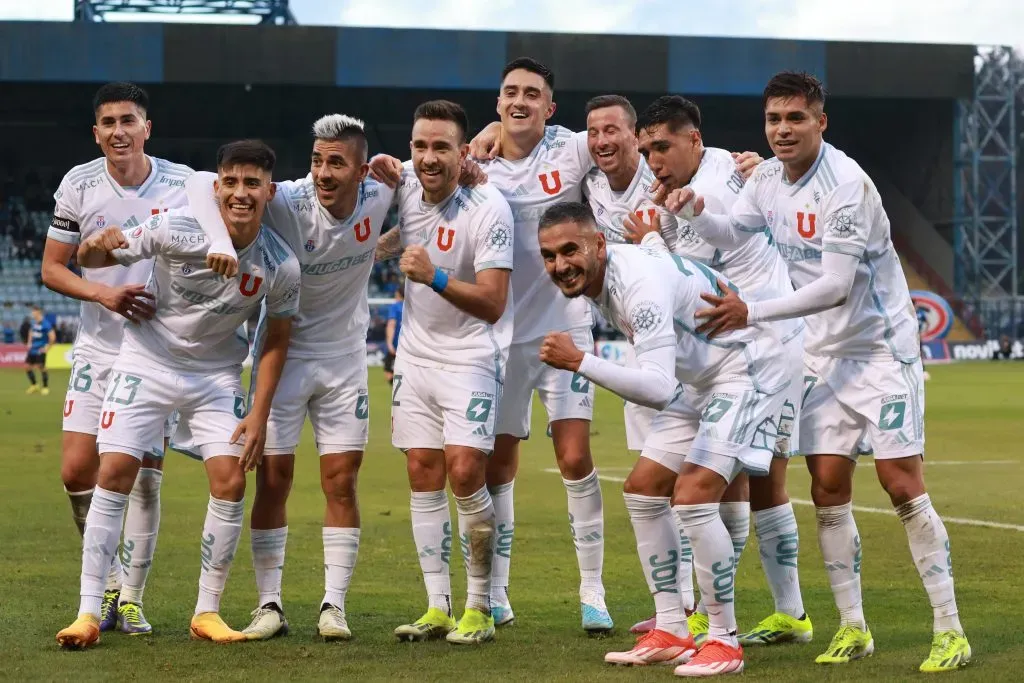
504, 530
221, 533
268, 546
840, 549
736, 517
341, 547
778, 543
685, 568
140, 529
476, 529
716, 565
586, 521
99, 546
657, 543
80, 501
929, 546
432, 533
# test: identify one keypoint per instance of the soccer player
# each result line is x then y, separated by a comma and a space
332, 220
123, 187
863, 368
40, 338
671, 141
188, 358
451, 364
723, 421
393, 331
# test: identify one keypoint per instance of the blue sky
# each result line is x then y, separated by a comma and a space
943, 21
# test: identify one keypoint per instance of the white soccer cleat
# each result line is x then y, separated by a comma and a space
267, 621
333, 625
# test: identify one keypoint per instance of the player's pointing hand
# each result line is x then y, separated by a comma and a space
415, 264
559, 351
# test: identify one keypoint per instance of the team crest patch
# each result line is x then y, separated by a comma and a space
499, 236
310, 245
186, 269
840, 223
100, 222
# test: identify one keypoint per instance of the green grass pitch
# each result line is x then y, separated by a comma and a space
976, 473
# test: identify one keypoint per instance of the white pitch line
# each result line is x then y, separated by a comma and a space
861, 508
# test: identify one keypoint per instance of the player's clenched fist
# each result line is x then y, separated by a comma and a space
415, 264
109, 239
684, 203
559, 351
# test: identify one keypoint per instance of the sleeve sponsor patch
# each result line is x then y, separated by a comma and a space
65, 224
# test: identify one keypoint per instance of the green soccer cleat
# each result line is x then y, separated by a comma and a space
778, 628
474, 627
950, 651
848, 644
433, 625
698, 625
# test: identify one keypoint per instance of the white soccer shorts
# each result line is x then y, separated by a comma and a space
83, 402
433, 408
333, 392
851, 407
565, 395
140, 399
637, 417
729, 428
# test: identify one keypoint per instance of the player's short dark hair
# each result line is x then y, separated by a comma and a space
533, 66
675, 111
37, 307
602, 101
788, 84
444, 110
247, 152
567, 212
120, 91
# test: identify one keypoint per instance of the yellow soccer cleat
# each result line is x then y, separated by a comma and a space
32, 389
45, 391
697, 624
209, 626
81, 634
433, 625
474, 627
848, 644
778, 628
950, 651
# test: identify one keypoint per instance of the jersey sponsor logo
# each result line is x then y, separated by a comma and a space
479, 408
210, 303
579, 384
187, 238
310, 245
186, 269
107, 419
716, 410
794, 253
808, 231
645, 316
65, 224
445, 238
335, 266
363, 406
894, 409
171, 182
250, 284
551, 183
239, 407
362, 229
137, 232
89, 184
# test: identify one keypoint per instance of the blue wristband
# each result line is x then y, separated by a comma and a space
440, 280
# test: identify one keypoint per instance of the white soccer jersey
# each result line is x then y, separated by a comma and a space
611, 208
651, 296
552, 173
755, 267
835, 207
89, 199
335, 258
198, 311
470, 231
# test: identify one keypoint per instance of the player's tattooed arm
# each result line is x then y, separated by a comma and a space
389, 246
